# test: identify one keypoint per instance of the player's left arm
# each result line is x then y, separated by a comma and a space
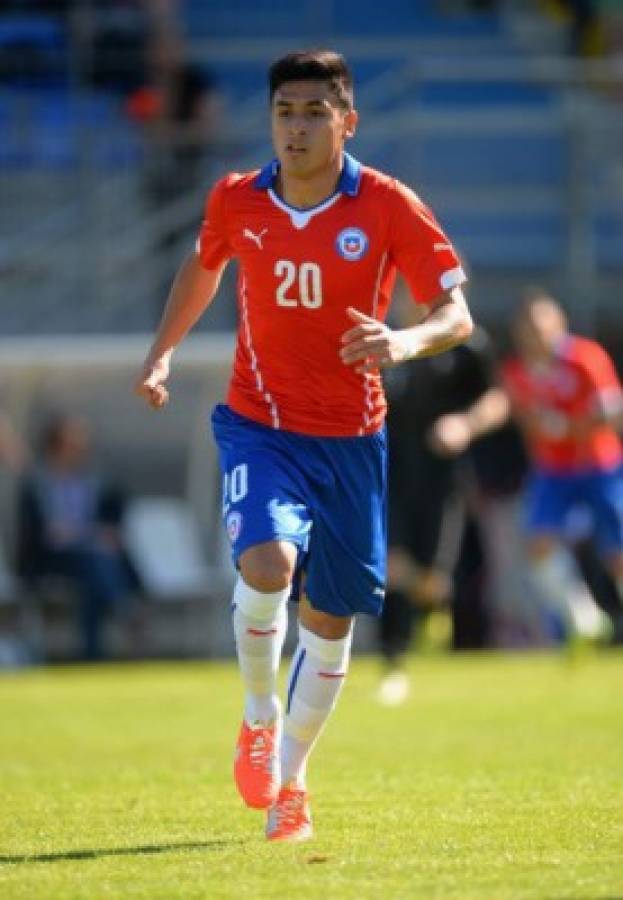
371, 344
605, 393
452, 433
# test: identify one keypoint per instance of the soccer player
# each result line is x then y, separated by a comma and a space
440, 409
301, 439
567, 398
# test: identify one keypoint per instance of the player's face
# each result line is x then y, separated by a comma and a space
309, 127
540, 327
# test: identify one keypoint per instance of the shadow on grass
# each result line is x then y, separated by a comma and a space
144, 850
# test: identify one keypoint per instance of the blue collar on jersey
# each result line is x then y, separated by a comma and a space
349, 181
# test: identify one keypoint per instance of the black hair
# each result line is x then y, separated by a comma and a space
314, 65
531, 295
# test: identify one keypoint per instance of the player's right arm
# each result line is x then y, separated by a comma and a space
193, 289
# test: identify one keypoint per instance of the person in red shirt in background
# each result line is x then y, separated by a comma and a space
567, 398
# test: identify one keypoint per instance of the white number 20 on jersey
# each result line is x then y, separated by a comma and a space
309, 278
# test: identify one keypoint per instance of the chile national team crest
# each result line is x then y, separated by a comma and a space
352, 243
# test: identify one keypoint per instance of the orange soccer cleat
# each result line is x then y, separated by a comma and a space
290, 818
256, 765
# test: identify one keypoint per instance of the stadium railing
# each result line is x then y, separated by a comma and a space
519, 157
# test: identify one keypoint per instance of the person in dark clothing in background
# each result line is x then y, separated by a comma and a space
178, 108
439, 408
13, 449
178, 105
69, 525
585, 37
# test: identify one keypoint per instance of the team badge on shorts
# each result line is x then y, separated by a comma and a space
352, 244
233, 526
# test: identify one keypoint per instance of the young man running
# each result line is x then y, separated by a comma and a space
301, 440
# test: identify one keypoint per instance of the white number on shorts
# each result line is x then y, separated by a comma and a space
309, 283
235, 485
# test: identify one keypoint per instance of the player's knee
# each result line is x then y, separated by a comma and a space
322, 624
268, 567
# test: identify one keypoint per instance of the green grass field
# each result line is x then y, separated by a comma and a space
501, 777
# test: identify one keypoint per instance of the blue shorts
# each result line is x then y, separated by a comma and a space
551, 498
325, 495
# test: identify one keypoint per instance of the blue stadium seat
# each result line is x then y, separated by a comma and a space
32, 29
483, 93
608, 237
33, 50
513, 240
400, 18
367, 18
530, 160
53, 134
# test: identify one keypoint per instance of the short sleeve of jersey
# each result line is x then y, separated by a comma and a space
419, 247
213, 245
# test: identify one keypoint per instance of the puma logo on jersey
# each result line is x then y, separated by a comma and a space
256, 238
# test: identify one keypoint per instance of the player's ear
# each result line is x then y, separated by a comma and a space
350, 123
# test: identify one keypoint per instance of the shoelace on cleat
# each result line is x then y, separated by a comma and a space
288, 810
259, 752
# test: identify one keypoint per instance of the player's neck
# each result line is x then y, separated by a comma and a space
304, 193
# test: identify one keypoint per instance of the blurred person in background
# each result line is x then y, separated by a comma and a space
14, 456
109, 41
179, 108
585, 25
612, 16
69, 520
14, 452
567, 398
585, 31
440, 409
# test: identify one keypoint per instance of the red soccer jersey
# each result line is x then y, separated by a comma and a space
580, 380
299, 271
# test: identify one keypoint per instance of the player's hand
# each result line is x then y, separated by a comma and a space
371, 344
450, 435
150, 385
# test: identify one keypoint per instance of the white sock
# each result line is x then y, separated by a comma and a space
560, 585
260, 622
316, 677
